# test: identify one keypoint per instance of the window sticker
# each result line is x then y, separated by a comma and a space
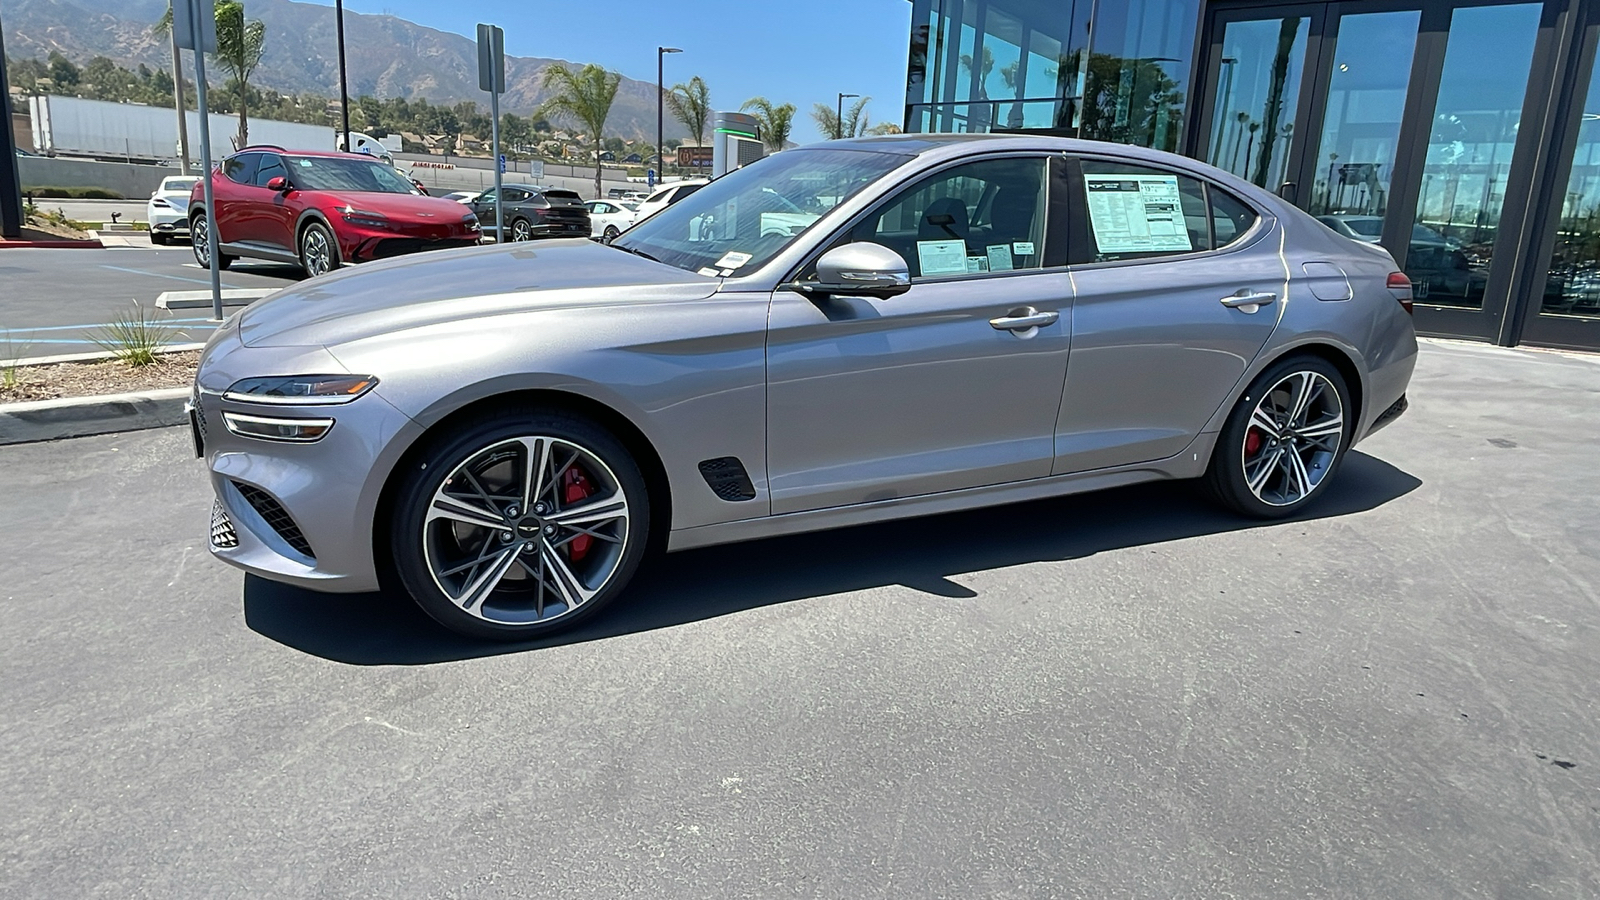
1022, 248
1000, 258
710, 272
977, 264
733, 260
305, 163
942, 257
1136, 213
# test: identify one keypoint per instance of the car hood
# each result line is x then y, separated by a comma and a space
450, 285
398, 206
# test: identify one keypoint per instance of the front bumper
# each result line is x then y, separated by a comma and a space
300, 513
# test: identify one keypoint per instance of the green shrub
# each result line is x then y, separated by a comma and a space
54, 192
134, 338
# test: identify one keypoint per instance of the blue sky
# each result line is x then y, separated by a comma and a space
789, 52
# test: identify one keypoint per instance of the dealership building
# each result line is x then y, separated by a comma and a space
1462, 135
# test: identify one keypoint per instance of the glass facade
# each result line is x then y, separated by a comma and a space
1440, 129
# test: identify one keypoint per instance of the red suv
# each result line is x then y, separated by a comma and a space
321, 209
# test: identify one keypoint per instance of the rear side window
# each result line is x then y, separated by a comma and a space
241, 169
1140, 212
514, 195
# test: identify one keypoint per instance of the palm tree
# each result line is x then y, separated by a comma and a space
691, 104
776, 121
239, 48
582, 97
855, 119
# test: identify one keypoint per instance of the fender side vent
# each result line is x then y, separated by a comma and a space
727, 478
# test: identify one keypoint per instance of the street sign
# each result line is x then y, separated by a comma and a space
491, 59
502, 162
535, 170
186, 15
650, 177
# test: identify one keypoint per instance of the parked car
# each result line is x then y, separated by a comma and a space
319, 210
507, 432
534, 212
1439, 266
461, 196
668, 194
609, 218
168, 208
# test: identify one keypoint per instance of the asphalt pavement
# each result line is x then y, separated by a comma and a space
53, 300
1126, 694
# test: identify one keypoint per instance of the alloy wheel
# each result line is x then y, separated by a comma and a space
521, 230
316, 254
200, 239
526, 531
1293, 439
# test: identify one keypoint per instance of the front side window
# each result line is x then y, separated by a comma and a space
326, 173
1138, 212
743, 219
985, 216
271, 167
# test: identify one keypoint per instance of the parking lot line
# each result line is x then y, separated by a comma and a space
157, 274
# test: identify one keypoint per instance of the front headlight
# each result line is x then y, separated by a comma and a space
310, 390
365, 218
470, 221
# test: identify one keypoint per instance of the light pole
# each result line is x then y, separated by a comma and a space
838, 117
344, 96
661, 100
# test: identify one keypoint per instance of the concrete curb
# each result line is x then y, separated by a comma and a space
92, 356
55, 245
50, 420
202, 299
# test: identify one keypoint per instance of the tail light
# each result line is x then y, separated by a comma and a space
1400, 287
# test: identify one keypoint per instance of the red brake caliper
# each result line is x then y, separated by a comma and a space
575, 487
1252, 442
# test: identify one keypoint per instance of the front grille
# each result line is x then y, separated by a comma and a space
222, 533
276, 516
727, 478
199, 415
386, 248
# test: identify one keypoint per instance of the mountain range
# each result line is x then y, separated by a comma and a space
385, 56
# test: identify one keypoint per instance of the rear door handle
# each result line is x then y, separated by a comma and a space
1247, 298
1023, 319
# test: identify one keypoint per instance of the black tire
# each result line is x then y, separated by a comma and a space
519, 230
200, 247
318, 250
1280, 494
160, 240
610, 234
414, 541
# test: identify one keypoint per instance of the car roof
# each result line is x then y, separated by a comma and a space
327, 154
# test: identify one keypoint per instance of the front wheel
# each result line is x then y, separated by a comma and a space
519, 524
521, 230
319, 253
1284, 440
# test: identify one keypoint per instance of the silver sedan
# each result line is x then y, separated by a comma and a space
846, 333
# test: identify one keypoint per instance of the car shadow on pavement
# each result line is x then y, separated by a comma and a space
386, 628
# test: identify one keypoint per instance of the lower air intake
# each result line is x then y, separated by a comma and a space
222, 533
276, 516
727, 478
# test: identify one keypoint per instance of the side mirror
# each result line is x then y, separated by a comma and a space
861, 269
278, 183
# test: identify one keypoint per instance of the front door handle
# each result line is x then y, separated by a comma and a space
1248, 301
1023, 319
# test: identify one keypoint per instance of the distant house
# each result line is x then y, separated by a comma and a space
632, 158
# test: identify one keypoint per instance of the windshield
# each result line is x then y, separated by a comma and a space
1369, 227
746, 217
324, 173
179, 184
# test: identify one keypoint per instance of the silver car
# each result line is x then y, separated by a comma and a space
846, 333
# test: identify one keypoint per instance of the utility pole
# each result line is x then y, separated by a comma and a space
344, 96
661, 99
177, 99
838, 117
10, 177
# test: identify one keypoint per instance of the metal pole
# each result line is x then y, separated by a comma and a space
661, 99
344, 97
838, 120
177, 100
199, 9
494, 132
11, 216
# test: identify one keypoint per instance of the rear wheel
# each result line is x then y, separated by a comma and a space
319, 253
1284, 440
520, 524
159, 239
521, 230
199, 229
610, 234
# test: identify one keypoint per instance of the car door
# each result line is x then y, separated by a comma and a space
945, 386
1162, 262
271, 214
232, 199
483, 208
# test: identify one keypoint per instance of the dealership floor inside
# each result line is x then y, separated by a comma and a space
1114, 695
